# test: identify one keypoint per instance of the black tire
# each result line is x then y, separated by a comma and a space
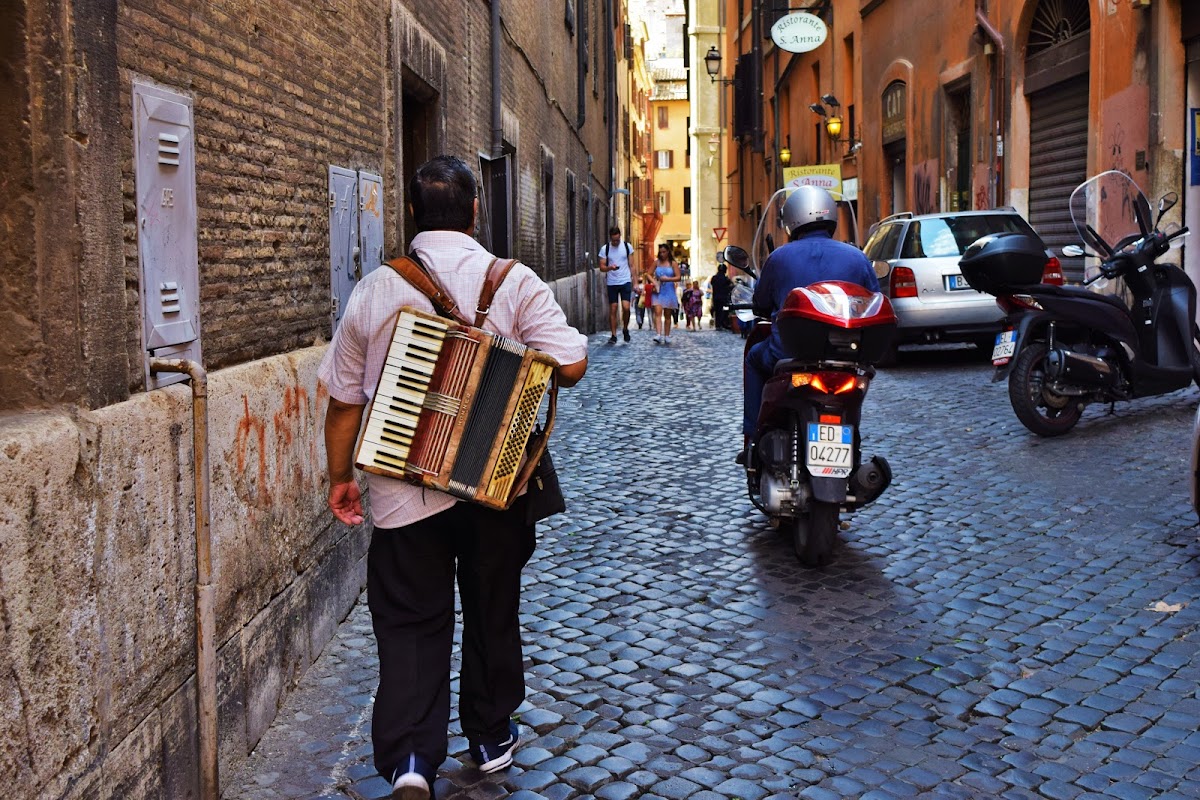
1043, 413
890, 356
814, 535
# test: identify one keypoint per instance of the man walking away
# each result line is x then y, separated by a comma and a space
614, 261
423, 539
722, 290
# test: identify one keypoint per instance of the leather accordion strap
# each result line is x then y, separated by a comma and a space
424, 282
496, 273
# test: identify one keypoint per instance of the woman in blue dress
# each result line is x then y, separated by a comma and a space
666, 299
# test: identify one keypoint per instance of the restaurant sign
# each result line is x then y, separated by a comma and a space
826, 176
799, 32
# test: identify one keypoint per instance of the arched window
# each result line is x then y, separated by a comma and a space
1056, 22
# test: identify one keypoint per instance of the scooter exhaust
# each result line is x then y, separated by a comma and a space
870, 480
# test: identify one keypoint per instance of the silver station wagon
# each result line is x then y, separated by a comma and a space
932, 300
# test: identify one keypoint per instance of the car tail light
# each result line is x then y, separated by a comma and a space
904, 282
1052, 273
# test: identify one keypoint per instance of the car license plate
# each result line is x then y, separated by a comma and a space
956, 282
1006, 345
830, 450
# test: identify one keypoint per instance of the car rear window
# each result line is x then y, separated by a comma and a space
882, 244
951, 236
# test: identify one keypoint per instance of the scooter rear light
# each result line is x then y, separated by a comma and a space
1052, 273
829, 419
904, 282
829, 382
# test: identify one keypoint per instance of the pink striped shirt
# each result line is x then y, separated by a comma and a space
524, 309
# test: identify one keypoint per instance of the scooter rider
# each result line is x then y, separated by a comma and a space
809, 216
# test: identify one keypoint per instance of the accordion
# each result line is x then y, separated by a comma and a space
455, 410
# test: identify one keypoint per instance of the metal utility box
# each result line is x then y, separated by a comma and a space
165, 186
355, 233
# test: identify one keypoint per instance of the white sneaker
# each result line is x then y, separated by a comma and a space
658, 339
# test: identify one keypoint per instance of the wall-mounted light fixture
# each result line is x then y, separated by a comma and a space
785, 153
712, 65
833, 122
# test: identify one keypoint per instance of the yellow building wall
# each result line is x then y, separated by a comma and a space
676, 225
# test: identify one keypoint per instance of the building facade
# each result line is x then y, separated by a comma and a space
947, 106
670, 115
207, 180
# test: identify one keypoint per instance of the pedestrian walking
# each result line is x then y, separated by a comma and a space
422, 539
615, 259
666, 302
638, 303
722, 289
693, 306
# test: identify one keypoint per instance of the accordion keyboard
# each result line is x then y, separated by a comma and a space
402, 391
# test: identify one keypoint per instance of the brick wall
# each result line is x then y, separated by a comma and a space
280, 91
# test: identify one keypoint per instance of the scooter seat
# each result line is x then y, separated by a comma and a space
1080, 292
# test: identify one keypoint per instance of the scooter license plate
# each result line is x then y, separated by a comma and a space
830, 452
1006, 345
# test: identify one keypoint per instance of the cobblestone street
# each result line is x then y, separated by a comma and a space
1016, 617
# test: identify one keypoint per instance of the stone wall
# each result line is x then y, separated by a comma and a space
97, 569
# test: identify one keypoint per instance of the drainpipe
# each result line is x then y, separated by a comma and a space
990, 31
497, 115
206, 617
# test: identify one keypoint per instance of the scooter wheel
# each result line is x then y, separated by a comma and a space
1041, 411
814, 534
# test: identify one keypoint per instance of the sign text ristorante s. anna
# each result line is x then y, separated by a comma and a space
799, 32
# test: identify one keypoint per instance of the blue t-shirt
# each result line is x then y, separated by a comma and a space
813, 257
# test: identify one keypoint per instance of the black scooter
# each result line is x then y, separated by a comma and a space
1064, 347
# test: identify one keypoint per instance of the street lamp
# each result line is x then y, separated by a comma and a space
712, 65
785, 153
833, 122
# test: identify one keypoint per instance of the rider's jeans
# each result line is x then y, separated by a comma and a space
759, 365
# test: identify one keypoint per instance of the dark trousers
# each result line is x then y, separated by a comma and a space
757, 369
410, 591
720, 314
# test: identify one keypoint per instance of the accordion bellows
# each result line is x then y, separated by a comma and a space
454, 409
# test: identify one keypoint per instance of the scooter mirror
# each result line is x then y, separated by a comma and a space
736, 256
1072, 251
882, 268
1166, 203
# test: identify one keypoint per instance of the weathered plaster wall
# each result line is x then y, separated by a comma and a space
97, 570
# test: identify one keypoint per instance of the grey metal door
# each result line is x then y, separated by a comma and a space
1058, 138
344, 245
165, 178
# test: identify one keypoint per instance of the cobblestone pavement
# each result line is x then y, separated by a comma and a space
1016, 617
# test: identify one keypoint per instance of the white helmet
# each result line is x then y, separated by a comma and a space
808, 208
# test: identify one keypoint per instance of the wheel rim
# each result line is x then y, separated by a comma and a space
1051, 406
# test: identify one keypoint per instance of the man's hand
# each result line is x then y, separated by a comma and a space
342, 421
345, 501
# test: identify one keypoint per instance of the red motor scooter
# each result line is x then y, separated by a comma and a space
804, 465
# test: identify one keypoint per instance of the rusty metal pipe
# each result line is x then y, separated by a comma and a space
990, 31
206, 615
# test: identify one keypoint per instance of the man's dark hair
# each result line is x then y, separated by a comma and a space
442, 193
721, 268
614, 230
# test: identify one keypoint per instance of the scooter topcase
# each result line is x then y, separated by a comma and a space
999, 263
836, 321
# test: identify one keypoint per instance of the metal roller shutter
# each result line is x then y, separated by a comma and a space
1058, 137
